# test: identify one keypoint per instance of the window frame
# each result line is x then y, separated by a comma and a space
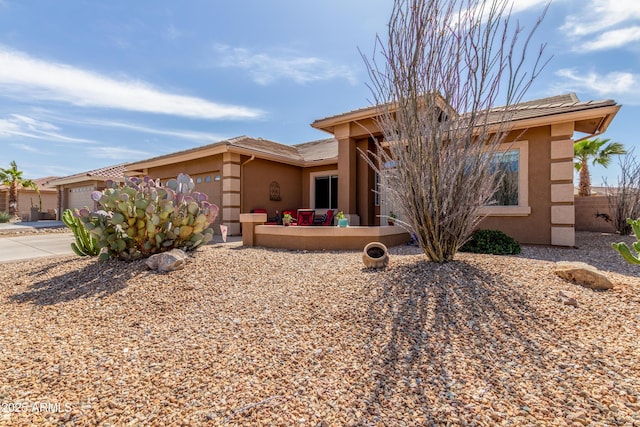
523, 208
312, 184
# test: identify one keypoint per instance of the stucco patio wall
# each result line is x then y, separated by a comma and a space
315, 238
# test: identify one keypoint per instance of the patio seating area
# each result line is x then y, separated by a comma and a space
300, 217
256, 231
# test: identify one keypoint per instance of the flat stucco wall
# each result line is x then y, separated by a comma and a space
27, 197
192, 167
586, 210
258, 177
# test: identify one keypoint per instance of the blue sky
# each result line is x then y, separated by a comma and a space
86, 84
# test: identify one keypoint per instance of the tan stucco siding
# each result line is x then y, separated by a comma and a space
192, 167
365, 197
258, 175
28, 198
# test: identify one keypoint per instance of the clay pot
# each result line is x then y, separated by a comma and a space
375, 255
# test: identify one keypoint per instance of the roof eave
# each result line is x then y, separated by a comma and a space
83, 178
607, 113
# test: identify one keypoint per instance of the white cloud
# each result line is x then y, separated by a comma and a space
32, 78
19, 125
182, 134
600, 15
265, 68
523, 5
622, 86
116, 153
25, 147
612, 39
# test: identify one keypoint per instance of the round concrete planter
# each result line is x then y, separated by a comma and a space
375, 255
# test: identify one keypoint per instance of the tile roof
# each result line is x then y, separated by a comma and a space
267, 147
115, 172
558, 104
307, 152
318, 150
42, 183
547, 107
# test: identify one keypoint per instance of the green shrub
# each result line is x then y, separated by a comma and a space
493, 242
85, 244
141, 218
5, 217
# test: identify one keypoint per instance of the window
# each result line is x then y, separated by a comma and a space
508, 164
512, 197
207, 178
325, 189
198, 180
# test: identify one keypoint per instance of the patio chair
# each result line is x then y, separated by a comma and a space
324, 220
305, 217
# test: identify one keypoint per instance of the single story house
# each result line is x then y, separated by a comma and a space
74, 191
242, 174
45, 199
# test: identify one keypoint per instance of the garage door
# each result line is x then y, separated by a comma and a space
211, 185
79, 197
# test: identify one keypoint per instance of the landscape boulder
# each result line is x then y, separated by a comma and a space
167, 261
583, 274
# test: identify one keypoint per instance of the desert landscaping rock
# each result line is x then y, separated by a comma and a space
172, 260
567, 298
583, 274
250, 336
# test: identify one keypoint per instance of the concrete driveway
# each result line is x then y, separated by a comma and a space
35, 246
56, 244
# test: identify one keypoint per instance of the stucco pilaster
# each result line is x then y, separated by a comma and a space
230, 214
347, 177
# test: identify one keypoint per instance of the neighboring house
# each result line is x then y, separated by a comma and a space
28, 197
242, 174
74, 191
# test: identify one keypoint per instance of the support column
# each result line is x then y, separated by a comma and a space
231, 192
347, 177
562, 199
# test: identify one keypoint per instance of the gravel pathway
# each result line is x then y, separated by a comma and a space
249, 336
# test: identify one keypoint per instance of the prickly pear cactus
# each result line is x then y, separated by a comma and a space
85, 244
141, 217
624, 250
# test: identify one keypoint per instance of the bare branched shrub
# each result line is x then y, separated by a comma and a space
436, 82
624, 198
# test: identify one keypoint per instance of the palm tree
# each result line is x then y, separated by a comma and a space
592, 149
12, 177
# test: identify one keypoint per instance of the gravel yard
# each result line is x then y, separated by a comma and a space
249, 336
